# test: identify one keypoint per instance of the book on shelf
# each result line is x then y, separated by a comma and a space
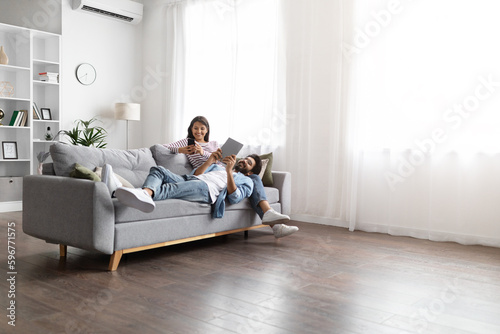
24, 119
13, 118
49, 77
36, 111
19, 115
20, 118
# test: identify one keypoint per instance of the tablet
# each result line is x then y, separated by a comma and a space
231, 146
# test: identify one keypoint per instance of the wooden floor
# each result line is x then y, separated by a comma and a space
322, 279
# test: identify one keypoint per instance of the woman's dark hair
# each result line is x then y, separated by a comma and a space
203, 121
258, 164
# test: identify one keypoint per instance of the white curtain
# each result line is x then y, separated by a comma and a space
391, 110
319, 140
226, 64
395, 115
427, 92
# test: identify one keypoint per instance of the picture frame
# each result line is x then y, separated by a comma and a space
9, 150
46, 115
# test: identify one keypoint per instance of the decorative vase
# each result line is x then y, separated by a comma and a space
3, 57
40, 168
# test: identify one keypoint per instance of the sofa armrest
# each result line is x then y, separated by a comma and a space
283, 181
68, 211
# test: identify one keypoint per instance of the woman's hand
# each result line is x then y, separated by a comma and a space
190, 149
215, 156
198, 149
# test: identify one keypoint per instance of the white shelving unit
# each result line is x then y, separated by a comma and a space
30, 52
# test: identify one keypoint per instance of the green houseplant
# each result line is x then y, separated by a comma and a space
86, 135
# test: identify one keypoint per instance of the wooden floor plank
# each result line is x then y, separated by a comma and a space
322, 279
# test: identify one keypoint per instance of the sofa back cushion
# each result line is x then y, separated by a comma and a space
175, 162
132, 165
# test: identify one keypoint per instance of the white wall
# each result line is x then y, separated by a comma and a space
128, 69
114, 48
40, 15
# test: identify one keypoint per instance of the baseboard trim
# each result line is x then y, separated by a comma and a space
319, 220
438, 236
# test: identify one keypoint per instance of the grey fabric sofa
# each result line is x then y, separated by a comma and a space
80, 213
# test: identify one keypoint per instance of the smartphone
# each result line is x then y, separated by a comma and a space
190, 141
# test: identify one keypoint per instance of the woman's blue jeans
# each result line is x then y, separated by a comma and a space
166, 184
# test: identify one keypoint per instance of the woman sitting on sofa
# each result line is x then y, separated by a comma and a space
197, 145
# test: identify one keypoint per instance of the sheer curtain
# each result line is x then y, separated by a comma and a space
320, 124
427, 92
226, 63
394, 120
391, 112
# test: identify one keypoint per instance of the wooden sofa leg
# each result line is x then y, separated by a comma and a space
115, 260
63, 250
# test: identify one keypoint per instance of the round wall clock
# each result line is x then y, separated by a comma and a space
85, 73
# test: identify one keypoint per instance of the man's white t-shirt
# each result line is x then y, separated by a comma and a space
216, 181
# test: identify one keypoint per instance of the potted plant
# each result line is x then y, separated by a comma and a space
86, 135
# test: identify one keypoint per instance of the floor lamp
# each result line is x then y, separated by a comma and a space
128, 112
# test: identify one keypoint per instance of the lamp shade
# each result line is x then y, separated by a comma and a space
128, 111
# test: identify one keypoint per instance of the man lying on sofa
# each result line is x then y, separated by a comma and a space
210, 183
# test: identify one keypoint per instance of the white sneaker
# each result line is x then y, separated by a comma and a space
271, 216
109, 178
135, 197
282, 230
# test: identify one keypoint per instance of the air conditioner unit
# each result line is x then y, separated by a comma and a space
122, 10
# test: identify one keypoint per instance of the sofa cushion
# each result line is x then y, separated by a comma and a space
172, 208
164, 209
264, 165
272, 194
81, 172
48, 169
267, 178
177, 163
133, 165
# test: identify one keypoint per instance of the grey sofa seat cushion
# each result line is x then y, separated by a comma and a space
174, 162
164, 209
132, 165
172, 208
273, 195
